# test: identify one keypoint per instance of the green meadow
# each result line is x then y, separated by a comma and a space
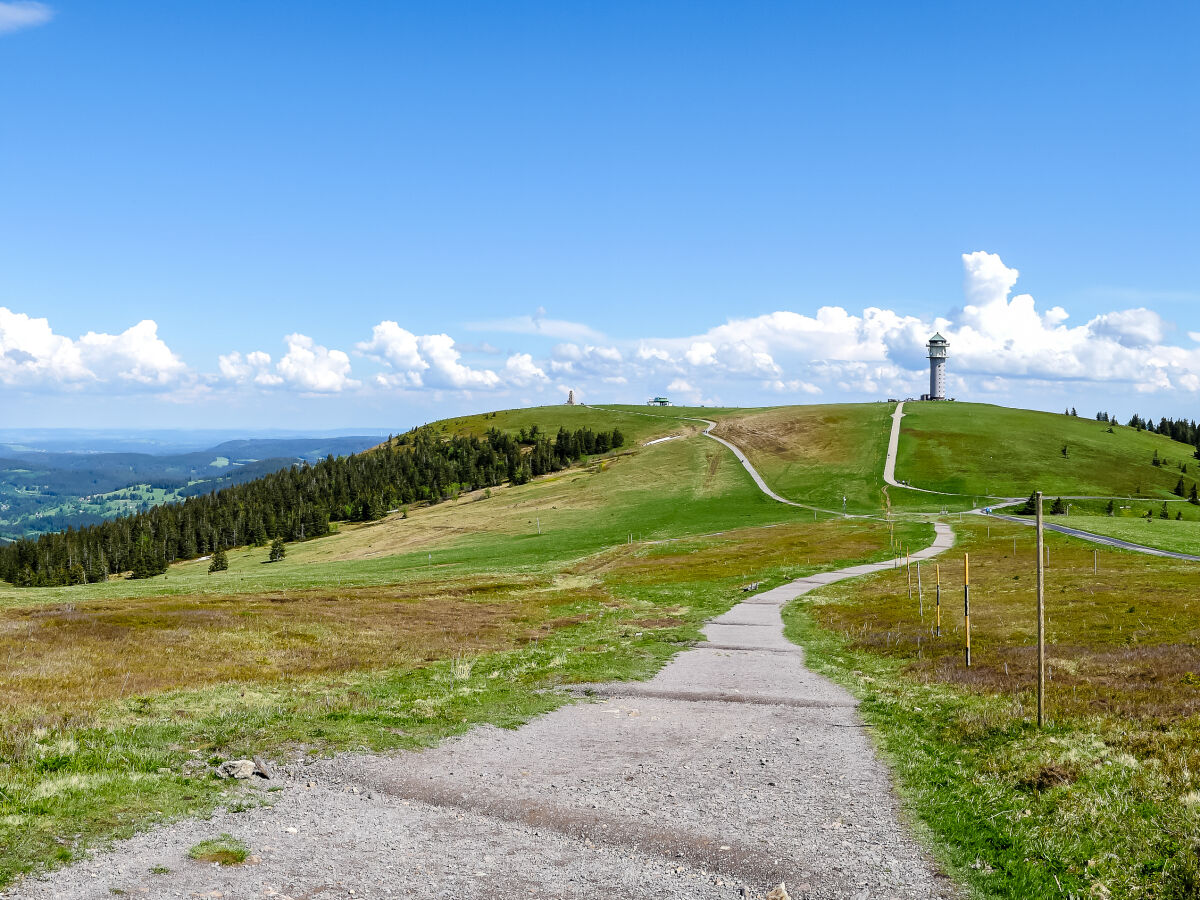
120, 696
981, 450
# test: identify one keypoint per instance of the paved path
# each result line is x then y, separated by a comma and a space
735, 767
1100, 538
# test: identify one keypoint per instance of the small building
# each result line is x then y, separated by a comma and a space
658, 401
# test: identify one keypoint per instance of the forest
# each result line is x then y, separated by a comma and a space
299, 503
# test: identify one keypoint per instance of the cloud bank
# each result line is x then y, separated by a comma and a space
1003, 345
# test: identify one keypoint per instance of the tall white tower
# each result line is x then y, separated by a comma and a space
937, 367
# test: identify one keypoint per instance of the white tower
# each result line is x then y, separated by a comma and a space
937, 367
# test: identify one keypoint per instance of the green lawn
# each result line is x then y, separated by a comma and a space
1180, 537
972, 448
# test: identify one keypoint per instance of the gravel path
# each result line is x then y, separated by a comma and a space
732, 770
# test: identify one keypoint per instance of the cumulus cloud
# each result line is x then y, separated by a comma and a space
20, 14
520, 370
447, 371
307, 366
33, 355
434, 360
311, 367
254, 366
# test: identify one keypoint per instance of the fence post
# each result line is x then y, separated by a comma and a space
967, 605
937, 628
1041, 620
920, 594
908, 572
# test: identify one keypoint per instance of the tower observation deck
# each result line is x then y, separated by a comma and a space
937, 368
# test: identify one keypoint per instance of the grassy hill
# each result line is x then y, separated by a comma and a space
977, 449
388, 634
817, 454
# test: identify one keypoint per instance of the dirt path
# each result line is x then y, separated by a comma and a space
735, 768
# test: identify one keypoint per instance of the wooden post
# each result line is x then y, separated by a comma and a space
967, 605
1095, 562
937, 628
908, 572
1041, 619
920, 595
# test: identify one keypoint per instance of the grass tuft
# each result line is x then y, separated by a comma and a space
225, 850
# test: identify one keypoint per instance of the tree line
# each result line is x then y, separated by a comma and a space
1186, 431
299, 503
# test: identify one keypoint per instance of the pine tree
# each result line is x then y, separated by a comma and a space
1193, 497
220, 562
1058, 508
278, 551
1111, 508
1164, 513
1180, 490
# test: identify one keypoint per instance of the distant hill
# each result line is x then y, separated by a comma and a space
43, 491
973, 448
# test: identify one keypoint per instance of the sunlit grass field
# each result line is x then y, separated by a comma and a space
977, 449
118, 696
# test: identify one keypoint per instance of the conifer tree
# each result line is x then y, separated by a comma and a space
220, 562
278, 551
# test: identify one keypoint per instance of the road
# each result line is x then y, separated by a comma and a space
1100, 538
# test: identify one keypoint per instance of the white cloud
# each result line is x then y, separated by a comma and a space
32, 354
701, 353
521, 370
398, 348
311, 367
23, 14
434, 360
1139, 327
447, 371
254, 366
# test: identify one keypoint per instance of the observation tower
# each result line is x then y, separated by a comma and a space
937, 368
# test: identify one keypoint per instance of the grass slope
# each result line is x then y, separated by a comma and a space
976, 449
817, 454
636, 427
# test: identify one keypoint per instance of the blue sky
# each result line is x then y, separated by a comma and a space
622, 198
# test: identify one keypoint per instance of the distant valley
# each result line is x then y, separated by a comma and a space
44, 490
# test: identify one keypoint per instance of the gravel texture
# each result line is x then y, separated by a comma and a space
732, 770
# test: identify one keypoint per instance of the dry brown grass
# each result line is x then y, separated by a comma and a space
747, 551
81, 654
1124, 641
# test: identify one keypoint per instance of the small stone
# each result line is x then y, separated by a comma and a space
779, 893
236, 768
